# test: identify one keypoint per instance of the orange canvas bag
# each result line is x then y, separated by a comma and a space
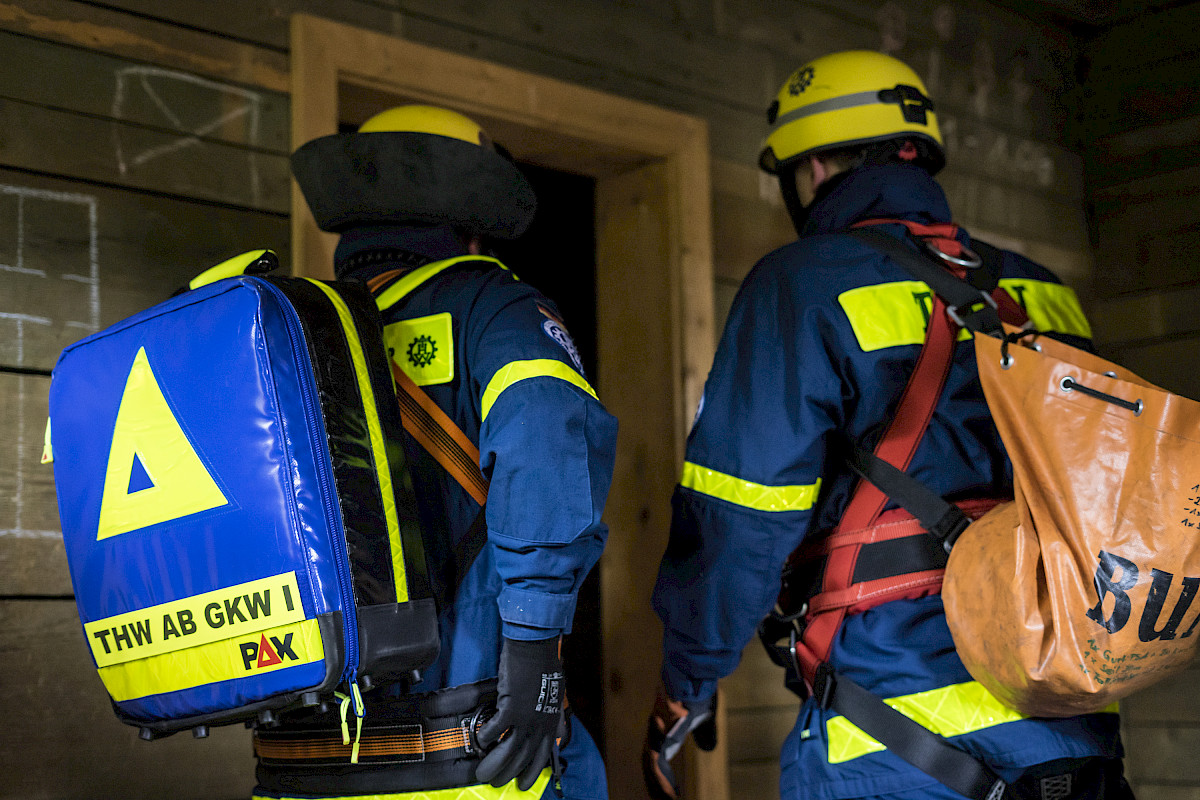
1081, 590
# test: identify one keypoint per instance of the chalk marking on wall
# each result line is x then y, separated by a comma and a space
21, 320
41, 273
250, 110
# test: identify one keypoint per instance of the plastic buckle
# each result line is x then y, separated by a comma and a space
824, 684
960, 525
952, 311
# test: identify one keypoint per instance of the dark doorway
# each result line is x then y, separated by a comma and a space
557, 256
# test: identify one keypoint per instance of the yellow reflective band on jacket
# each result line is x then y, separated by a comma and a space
508, 791
517, 371
397, 291
254, 653
949, 711
383, 469
1050, 306
746, 493
894, 314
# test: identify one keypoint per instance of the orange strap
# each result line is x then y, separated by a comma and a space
431, 427
438, 434
377, 744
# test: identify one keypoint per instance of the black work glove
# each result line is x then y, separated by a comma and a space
670, 723
529, 712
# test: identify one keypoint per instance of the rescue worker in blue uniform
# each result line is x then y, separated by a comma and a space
820, 343
485, 360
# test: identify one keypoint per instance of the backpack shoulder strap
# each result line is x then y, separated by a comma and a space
434, 430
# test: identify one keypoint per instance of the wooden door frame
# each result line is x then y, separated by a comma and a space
655, 314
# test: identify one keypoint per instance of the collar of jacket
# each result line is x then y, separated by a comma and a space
886, 191
431, 243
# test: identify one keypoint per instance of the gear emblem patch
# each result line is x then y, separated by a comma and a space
421, 351
800, 81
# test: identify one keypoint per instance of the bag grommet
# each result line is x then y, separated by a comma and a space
1138, 408
1006, 361
1067, 384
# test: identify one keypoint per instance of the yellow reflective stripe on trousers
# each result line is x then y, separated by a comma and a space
517, 371
378, 446
949, 711
746, 493
508, 791
894, 314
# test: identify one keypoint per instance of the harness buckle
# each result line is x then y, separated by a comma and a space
960, 525
824, 684
952, 311
471, 726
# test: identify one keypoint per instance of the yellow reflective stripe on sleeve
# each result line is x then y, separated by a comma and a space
508, 791
949, 711
745, 493
396, 292
252, 654
895, 314
375, 434
517, 371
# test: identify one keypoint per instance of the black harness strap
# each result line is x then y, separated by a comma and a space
909, 740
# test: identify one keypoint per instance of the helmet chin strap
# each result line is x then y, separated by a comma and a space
799, 212
791, 198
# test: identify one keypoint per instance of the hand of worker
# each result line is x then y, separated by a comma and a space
670, 723
521, 739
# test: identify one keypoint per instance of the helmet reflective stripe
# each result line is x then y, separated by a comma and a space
834, 104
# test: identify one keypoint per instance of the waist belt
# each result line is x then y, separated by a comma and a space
438, 726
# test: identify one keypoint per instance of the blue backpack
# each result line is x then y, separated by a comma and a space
238, 515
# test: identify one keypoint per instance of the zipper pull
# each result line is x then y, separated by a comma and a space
343, 704
360, 711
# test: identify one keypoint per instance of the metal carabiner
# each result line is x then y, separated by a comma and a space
952, 311
971, 260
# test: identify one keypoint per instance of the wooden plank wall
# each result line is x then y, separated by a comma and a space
1141, 118
146, 139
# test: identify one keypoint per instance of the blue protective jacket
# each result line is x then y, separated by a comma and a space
497, 359
821, 340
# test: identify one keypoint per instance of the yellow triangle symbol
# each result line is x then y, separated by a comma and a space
148, 435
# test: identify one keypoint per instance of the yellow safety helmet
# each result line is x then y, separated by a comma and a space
427, 119
414, 164
850, 98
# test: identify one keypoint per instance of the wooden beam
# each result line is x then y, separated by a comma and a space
145, 39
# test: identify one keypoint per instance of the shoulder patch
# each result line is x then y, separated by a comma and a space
559, 334
423, 348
